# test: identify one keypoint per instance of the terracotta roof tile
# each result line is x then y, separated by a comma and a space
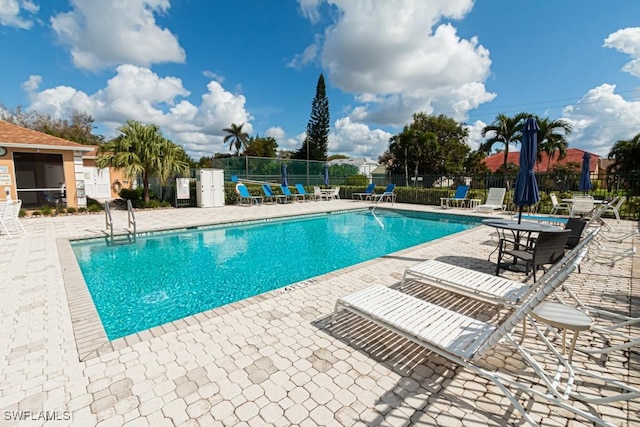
494, 161
13, 134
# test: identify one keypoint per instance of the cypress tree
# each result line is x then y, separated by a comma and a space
318, 127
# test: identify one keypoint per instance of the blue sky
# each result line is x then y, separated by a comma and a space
195, 66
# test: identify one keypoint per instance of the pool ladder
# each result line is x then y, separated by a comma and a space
131, 225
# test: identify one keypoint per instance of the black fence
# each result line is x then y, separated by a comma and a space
429, 188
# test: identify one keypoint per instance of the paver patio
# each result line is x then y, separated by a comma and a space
268, 360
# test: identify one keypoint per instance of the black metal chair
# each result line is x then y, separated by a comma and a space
547, 249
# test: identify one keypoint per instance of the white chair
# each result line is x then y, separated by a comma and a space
336, 193
319, 195
11, 215
582, 205
558, 206
495, 200
466, 341
616, 208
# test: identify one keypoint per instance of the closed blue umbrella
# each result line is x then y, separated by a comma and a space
284, 175
326, 174
585, 180
526, 192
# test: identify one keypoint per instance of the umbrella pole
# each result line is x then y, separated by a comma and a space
520, 215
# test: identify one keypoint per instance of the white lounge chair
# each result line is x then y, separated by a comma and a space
615, 208
476, 284
465, 340
10, 215
495, 200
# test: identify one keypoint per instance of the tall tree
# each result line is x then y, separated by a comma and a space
504, 130
78, 128
316, 144
261, 147
626, 155
142, 150
552, 138
236, 137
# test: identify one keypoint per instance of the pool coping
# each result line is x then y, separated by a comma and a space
90, 336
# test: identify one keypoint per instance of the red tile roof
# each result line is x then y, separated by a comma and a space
494, 161
13, 135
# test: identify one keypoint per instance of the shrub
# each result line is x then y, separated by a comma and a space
60, 210
82, 210
71, 210
36, 213
357, 180
46, 210
22, 213
94, 208
136, 195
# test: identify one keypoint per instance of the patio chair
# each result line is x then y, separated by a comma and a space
495, 200
582, 205
548, 248
11, 215
290, 195
558, 206
458, 198
301, 190
270, 196
318, 194
615, 208
245, 197
366, 195
466, 341
389, 195
336, 193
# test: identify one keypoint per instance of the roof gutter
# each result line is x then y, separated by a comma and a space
86, 148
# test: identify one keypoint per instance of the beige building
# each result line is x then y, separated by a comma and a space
41, 169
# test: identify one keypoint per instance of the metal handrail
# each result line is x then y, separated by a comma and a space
108, 219
131, 217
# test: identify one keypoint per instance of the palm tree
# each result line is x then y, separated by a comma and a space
143, 150
506, 131
236, 137
552, 138
626, 155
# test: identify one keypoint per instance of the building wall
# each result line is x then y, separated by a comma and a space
8, 178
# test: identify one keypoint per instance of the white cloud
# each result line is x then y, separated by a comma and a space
397, 58
601, 118
627, 40
301, 60
105, 33
11, 11
475, 134
32, 84
213, 76
310, 9
139, 94
284, 141
357, 139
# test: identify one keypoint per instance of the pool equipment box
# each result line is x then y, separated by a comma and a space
210, 188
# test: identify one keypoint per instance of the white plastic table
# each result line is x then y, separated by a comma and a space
563, 317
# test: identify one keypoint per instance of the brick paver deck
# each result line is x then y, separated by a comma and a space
267, 360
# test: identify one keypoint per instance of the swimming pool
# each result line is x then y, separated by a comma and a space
166, 276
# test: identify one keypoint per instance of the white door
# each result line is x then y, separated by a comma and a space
97, 182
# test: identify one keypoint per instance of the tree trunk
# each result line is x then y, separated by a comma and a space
406, 169
145, 186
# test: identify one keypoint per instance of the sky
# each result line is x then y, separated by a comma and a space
194, 67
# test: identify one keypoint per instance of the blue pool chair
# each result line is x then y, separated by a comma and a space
366, 195
303, 192
270, 196
458, 199
389, 194
246, 197
290, 195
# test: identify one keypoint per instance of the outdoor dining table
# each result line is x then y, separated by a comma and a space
518, 230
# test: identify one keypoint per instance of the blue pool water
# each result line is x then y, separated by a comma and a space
170, 275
